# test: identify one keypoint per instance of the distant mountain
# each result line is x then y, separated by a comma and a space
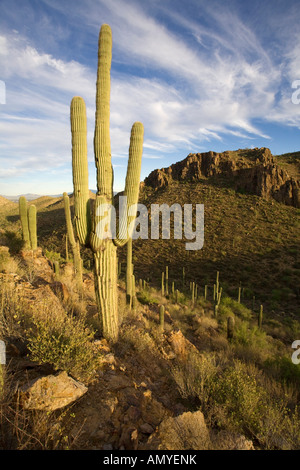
31, 197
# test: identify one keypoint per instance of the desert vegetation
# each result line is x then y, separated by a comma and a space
158, 347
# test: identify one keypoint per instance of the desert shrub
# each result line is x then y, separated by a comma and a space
194, 377
250, 409
145, 298
284, 370
250, 336
229, 305
139, 339
14, 241
65, 342
14, 315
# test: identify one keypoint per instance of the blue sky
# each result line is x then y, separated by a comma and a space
200, 75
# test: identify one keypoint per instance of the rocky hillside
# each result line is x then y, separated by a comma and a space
253, 171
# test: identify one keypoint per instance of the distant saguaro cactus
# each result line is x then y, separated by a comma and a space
230, 327
90, 227
162, 317
260, 317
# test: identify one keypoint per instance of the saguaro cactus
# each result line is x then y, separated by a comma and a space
74, 244
24, 220
32, 226
28, 222
88, 225
230, 327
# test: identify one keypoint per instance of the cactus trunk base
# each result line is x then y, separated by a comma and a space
106, 277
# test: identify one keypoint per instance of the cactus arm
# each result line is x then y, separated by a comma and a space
132, 183
80, 170
102, 147
129, 272
74, 245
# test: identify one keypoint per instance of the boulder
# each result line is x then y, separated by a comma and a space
187, 431
51, 392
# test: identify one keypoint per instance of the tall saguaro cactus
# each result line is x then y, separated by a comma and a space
89, 226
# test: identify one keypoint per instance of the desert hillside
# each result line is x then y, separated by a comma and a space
203, 358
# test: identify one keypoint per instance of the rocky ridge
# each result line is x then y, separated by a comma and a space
253, 171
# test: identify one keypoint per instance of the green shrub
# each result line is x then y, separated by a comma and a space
66, 343
284, 369
249, 408
194, 377
250, 336
229, 305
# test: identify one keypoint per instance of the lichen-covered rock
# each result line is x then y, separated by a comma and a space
51, 392
184, 432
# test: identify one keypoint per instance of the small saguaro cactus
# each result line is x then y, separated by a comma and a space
32, 226
162, 283
162, 317
23, 213
230, 327
167, 280
28, 223
260, 317
205, 292
95, 229
239, 295
74, 244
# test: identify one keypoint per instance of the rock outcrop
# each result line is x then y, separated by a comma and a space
51, 392
253, 171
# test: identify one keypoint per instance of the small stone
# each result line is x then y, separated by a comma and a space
146, 428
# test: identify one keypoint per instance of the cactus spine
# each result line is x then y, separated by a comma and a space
87, 224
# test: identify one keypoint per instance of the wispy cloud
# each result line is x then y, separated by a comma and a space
192, 83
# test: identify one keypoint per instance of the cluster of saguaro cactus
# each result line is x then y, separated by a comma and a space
89, 224
28, 223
